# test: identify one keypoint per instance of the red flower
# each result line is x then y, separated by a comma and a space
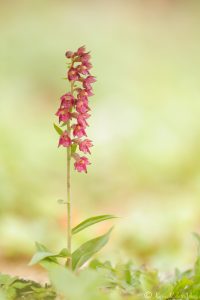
67, 101
75, 105
89, 92
82, 94
82, 106
63, 114
85, 57
87, 64
83, 69
73, 74
85, 145
87, 82
81, 119
78, 130
69, 54
81, 164
64, 140
80, 51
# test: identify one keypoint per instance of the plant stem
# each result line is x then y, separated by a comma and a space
69, 261
69, 231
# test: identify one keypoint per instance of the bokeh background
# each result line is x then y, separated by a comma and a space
145, 126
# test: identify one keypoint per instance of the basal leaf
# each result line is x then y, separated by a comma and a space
43, 253
69, 286
39, 256
90, 221
58, 129
41, 247
63, 253
64, 281
88, 249
4, 279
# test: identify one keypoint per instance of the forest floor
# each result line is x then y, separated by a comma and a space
21, 269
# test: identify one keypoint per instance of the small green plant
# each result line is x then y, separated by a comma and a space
14, 288
73, 113
103, 281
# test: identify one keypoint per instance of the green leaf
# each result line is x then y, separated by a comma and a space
41, 247
61, 201
69, 286
182, 285
39, 256
2, 295
4, 278
7, 279
58, 129
197, 236
88, 249
90, 221
64, 281
43, 253
63, 253
21, 285
73, 148
64, 124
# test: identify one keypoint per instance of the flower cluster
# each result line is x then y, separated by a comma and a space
74, 107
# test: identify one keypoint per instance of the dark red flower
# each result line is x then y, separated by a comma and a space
73, 74
74, 106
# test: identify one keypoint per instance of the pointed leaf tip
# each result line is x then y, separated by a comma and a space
91, 221
57, 129
88, 249
43, 254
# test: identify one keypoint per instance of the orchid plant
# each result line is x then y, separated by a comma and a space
73, 114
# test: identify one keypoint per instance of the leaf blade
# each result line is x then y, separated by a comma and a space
88, 249
58, 129
73, 148
91, 221
43, 253
39, 256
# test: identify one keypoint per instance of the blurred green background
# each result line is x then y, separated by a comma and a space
145, 126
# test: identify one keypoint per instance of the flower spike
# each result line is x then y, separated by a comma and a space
74, 107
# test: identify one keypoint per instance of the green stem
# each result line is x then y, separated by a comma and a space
69, 235
69, 229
